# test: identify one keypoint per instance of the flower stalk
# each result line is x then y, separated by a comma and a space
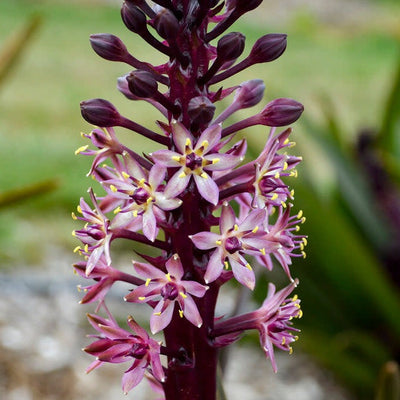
205, 216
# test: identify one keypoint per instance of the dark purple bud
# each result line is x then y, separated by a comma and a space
230, 46
100, 112
142, 83
268, 48
243, 6
108, 46
201, 110
134, 18
166, 24
281, 112
249, 93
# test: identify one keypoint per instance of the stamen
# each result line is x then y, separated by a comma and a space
204, 175
226, 264
113, 188
176, 158
168, 277
182, 175
215, 160
236, 227
248, 266
218, 242
181, 313
142, 298
255, 229
125, 175
262, 251
80, 149
183, 295
148, 280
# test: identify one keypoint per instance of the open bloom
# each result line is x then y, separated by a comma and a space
195, 160
141, 194
98, 231
235, 239
116, 345
273, 320
171, 289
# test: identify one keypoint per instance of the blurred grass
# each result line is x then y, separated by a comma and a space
39, 104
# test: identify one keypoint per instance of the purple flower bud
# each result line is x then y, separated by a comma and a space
134, 18
108, 46
268, 48
100, 112
230, 46
249, 93
142, 83
243, 6
166, 24
281, 112
201, 110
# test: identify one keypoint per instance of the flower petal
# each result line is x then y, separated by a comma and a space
207, 188
190, 311
174, 267
159, 321
205, 240
215, 266
177, 184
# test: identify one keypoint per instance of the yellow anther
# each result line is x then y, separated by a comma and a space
297, 228
142, 298
301, 246
255, 229
236, 227
176, 158
168, 277
157, 313
215, 160
218, 242
226, 264
262, 251
113, 188
274, 196
295, 338
305, 241
303, 253
73, 233
148, 280
86, 248
74, 216
204, 175
135, 213
125, 175
183, 295
248, 266
188, 142
79, 209
80, 149
149, 200
117, 210
297, 305
283, 204
294, 173
300, 314
181, 313
204, 143
76, 249
141, 182
300, 214
277, 175
286, 141
292, 144
290, 350
83, 134
285, 166
273, 210
303, 220
182, 175
292, 193
283, 341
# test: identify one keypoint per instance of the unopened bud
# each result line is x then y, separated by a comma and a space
243, 6
100, 112
134, 18
230, 46
166, 24
249, 93
281, 112
142, 83
268, 48
108, 46
201, 110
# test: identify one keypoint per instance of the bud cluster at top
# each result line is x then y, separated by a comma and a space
209, 214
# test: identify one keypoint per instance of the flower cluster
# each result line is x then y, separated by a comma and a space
206, 214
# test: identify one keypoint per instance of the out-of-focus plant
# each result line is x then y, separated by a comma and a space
10, 55
207, 216
350, 285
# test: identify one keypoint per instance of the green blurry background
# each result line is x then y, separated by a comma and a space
342, 63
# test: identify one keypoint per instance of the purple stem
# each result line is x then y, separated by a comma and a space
238, 126
127, 123
137, 237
